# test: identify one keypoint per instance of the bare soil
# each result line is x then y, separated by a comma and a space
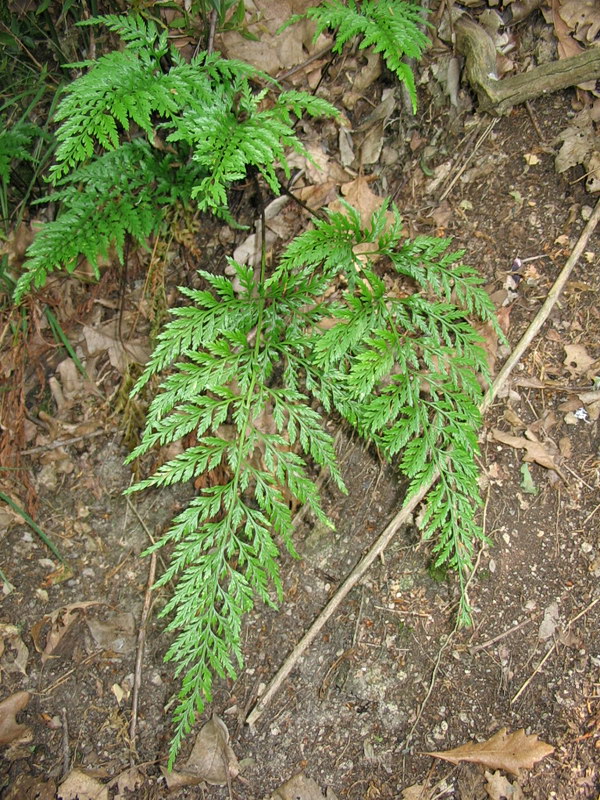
391, 677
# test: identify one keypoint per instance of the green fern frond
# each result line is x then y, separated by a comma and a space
133, 29
15, 143
392, 28
102, 210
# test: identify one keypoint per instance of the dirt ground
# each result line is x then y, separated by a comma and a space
390, 678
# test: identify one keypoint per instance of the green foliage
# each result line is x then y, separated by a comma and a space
136, 137
392, 28
15, 144
241, 369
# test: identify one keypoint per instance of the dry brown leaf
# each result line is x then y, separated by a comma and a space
360, 196
8, 662
12, 731
120, 352
567, 46
367, 74
318, 195
116, 633
301, 788
270, 51
536, 451
417, 791
126, 783
582, 17
212, 760
61, 621
499, 788
511, 752
78, 785
577, 360
30, 786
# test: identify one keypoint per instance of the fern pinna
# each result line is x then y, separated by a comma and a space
241, 369
136, 138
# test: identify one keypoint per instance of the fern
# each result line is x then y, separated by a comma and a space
402, 371
112, 119
391, 28
14, 146
241, 368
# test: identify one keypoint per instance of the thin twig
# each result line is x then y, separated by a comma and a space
402, 516
468, 160
53, 445
500, 636
552, 649
545, 310
65, 743
139, 658
310, 60
211, 32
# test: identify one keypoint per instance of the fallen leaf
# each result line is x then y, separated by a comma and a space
508, 751
418, 791
78, 785
116, 634
577, 360
18, 662
268, 50
536, 451
300, 788
10, 730
126, 783
61, 621
567, 46
499, 788
548, 624
212, 760
120, 351
582, 17
367, 74
30, 786
360, 196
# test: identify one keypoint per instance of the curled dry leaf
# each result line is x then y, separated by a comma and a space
79, 785
301, 788
212, 760
12, 731
359, 195
499, 788
9, 634
536, 451
511, 752
61, 621
418, 791
577, 361
582, 17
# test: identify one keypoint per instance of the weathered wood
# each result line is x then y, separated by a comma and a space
499, 96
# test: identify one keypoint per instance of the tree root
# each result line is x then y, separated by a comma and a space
499, 96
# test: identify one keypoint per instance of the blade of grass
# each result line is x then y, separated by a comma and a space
61, 337
34, 526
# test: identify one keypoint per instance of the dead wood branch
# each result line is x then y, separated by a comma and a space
403, 516
499, 96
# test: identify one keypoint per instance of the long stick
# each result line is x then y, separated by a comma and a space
405, 512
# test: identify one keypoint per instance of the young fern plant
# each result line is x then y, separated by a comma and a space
392, 28
141, 131
240, 373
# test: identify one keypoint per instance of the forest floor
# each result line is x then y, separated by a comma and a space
390, 677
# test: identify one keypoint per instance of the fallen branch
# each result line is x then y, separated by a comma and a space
499, 96
403, 516
139, 659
